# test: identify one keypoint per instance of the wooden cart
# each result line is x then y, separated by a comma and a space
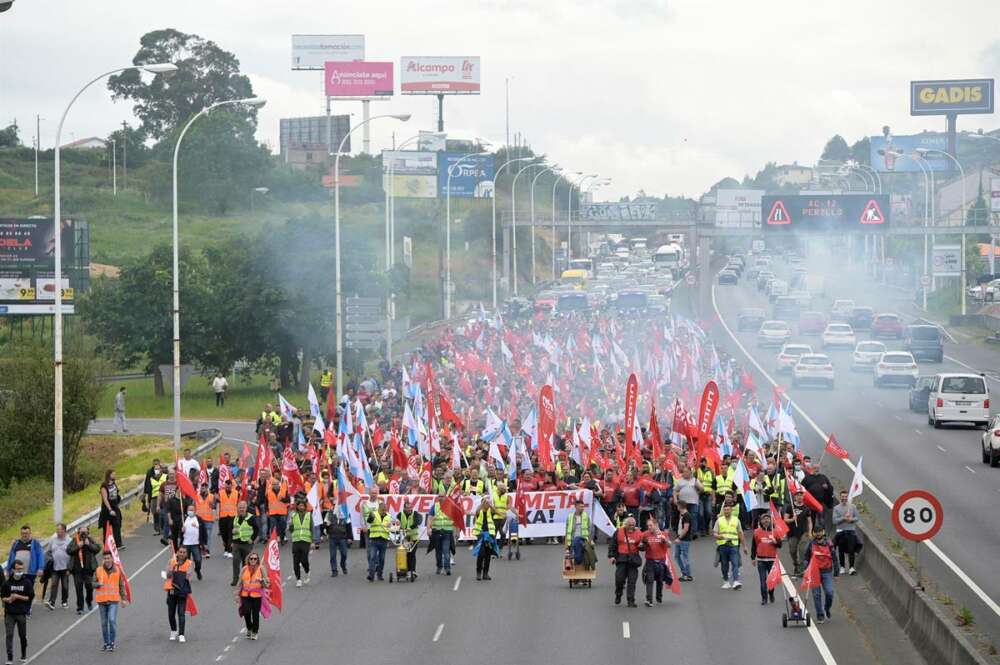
579, 575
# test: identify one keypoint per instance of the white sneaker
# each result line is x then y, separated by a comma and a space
298, 583
180, 638
727, 585
852, 571
307, 579
173, 635
227, 555
737, 584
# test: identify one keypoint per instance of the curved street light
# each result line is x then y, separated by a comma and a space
447, 232
513, 207
569, 215
551, 169
496, 174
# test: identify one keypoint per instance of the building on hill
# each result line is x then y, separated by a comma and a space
89, 143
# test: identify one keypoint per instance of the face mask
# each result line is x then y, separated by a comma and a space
18, 575
190, 513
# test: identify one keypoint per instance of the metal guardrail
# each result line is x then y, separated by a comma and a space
211, 438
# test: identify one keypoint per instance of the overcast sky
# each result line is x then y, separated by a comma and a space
668, 96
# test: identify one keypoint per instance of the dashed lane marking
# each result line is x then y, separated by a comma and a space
458, 580
970, 469
437, 633
942, 449
626, 630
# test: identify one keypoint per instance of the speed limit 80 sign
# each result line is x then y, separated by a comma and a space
917, 515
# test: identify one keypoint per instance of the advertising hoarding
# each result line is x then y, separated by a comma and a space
951, 96
435, 75
737, 208
473, 178
884, 156
618, 212
311, 131
432, 141
314, 51
825, 213
414, 173
359, 79
946, 260
27, 265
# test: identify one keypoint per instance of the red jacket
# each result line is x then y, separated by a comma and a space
657, 547
765, 545
630, 495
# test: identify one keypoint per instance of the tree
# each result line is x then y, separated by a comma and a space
861, 151
978, 215
9, 136
27, 416
206, 74
836, 149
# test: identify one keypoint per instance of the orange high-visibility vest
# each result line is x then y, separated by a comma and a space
252, 583
184, 567
275, 505
203, 508
108, 586
227, 503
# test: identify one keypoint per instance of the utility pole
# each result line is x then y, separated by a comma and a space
506, 83
124, 155
38, 146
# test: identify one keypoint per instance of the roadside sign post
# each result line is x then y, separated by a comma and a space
917, 516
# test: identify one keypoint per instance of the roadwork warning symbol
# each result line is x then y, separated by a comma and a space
779, 214
872, 214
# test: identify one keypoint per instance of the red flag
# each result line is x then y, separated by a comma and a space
399, 459
654, 434
331, 408
191, 606
245, 456
810, 580
448, 414
452, 507
546, 426
184, 483
272, 563
778, 525
706, 413
203, 474
290, 472
112, 548
675, 584
631, 396
224, 473
811, 501
774, 577
835, 448
521, 505
263, 457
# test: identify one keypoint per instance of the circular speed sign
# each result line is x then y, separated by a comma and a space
917, 515
690, 279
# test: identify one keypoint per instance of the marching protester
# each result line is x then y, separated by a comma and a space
682, 547
228, 500
178, 587
845, 518
410, 522
110, 519
800, 528
191, 539
59, 560
623, 551
29, 552
109, 595
204, 506
301, 524
819, 554
155, 478
484, 532
729, 541
656, 572
764, 549
578, 532
252, 586
341, 535
83, 551
442, 537
378, 539
244, 535
17, 594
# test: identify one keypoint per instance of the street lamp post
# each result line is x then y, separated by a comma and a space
569, 215
57, 325
447, 232
555, 236
552, 169
253, 102
390, 240
513, 207
402, 117
961, 171
496, 174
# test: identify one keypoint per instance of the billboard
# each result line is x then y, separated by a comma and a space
946, 260
314, 51
423, 75
27, 265
825, 213
414, 173
618, 212
737, 208
359, 79
951, 96
884, 153
472, 179
432, 141
312, 131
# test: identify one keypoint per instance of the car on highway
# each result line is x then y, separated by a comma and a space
735, 267
841, 310
838, 335
865, 355
752, 272
919, 393
803, 298
728, 276
924, 341
763, 277
785, 308
887, 325
773, 333
790, 354
895, 367
991, 443
812, 323
632, 300
776, 289
750, 318
861, 318
963, 398
813, 368
572, 302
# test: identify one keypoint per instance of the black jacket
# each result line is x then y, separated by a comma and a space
338, 527
90, 550
820, 487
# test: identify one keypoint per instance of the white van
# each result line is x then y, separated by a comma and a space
963, 398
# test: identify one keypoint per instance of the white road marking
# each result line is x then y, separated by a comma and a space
219, 658
76, 623
970, 469
228, 647
437, 633
458, 580
942, 449
626, 630
896, 416
918, 432
237, 637
961, 574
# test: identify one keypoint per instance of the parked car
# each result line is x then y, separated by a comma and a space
887, 325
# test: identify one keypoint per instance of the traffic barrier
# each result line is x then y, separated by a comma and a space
932, 631
210, 437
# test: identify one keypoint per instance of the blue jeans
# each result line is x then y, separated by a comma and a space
763, 570
695, 510
704, 513
338, 545
825, 587
277, 523
729, 556
109, 621
442, 548
578, 544
376, 556
208, 526
682, 550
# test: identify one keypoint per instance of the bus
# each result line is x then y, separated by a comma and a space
583, 264
578, 278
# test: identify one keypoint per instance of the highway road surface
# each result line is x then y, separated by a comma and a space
901, 451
